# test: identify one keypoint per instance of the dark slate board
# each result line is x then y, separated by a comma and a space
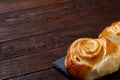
59, 65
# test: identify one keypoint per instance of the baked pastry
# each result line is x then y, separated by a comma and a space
90, 59
112, 32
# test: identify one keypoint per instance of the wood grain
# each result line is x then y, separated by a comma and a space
15, 5
54, 17
44, 42
56, 10
34, 33
57, 76
29, 63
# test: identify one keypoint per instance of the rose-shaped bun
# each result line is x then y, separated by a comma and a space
89, 59
112, 32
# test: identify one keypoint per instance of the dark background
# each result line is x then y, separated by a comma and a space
34, 33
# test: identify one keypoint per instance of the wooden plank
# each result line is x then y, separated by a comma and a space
51, 74
47, 41
60, 24
55, 75
51, 18
44, 26
51, 11
14, 5
29, 63
68, 7
55, 11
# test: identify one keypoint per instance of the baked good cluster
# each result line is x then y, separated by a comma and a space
90, 59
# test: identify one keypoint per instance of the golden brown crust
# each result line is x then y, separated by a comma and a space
112, 30
77, 70
111, 47
84, 53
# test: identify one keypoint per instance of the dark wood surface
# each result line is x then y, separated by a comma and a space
34, 33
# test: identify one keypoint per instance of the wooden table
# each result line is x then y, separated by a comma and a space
34, 33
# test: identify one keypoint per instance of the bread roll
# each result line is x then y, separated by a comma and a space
112, 32
90, 59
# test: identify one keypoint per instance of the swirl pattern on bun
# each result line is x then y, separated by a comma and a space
89, 59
